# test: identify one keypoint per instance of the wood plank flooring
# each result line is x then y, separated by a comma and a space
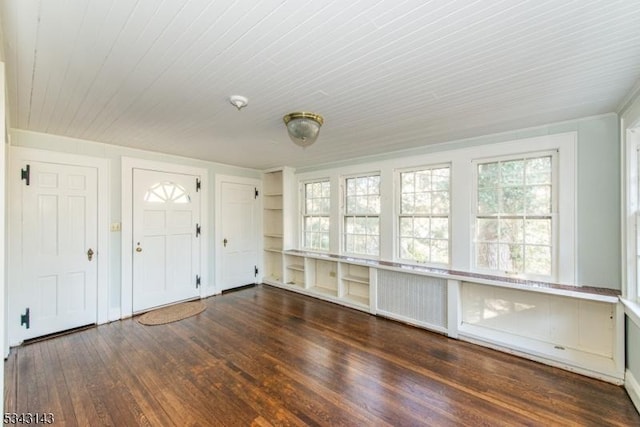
263, 356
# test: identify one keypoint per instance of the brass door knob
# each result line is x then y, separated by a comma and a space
138, 249
90, 254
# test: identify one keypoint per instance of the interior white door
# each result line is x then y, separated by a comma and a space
59, 250
166, 244
239, 231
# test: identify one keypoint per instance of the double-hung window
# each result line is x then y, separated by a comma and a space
423, 220
317, 197
515, 211
362, 215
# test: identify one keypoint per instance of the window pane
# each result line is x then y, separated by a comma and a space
488, 175
440, 251
539, 200
539, 170
538, 231
512, 172
487, 201
511, 258
511, 230
512, 201
538, 259
487, 255
487, 230
439, 228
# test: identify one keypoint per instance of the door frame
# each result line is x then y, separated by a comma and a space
128, 165
257, 183
17, 157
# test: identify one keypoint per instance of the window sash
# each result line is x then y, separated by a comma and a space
316, 221
424, 197
514, 228
361, 215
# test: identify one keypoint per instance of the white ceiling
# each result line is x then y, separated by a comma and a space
386, 75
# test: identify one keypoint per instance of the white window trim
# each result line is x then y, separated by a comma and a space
461, 220
343, 209
555, 241
397, 201
302, 209
630, 291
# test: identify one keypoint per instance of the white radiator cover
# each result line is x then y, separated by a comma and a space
412, 298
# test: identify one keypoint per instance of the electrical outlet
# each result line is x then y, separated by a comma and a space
115, 226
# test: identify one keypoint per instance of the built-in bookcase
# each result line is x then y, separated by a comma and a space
277, 230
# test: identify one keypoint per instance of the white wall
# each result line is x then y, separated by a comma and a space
114, 154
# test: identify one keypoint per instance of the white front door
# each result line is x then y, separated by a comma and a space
166, 242
239, 231
58, 271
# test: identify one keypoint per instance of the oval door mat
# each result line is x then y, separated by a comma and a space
173, 313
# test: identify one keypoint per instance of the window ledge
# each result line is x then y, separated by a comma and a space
632, 310
576, 291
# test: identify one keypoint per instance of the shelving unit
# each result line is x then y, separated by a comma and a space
294, 271
277, 227
323, 276
355, 284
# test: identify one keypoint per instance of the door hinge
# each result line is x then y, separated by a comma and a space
26, 174
25, 319
198, 230
256, 193
255, 271
197, 281
198, 184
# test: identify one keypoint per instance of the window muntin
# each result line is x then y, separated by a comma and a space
167, 192
514, 230
316, 223
423, 220
362, 215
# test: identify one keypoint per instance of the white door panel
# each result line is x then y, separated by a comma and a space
59, 227
240, 231
166, 249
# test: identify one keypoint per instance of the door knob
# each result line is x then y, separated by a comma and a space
139, 248
90, 254
225, 241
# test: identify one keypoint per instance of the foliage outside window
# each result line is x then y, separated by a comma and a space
424, 215
514, 216
362, 215
316, 215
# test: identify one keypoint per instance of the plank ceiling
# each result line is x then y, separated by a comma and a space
387, 74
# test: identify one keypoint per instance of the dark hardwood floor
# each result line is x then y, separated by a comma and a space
264, 356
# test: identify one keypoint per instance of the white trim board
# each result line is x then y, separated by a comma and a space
128, 165
633, 388
20, 155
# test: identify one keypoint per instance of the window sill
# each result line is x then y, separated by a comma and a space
632, 310
583, 292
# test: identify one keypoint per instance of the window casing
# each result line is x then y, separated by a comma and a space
423, 215
316, 218
361, 232
515, 215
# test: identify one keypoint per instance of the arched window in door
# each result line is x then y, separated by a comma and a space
166, 192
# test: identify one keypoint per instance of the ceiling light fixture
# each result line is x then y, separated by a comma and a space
238, 101
303, 128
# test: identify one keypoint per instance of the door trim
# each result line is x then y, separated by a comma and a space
17, 157
128, 165
218, 223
